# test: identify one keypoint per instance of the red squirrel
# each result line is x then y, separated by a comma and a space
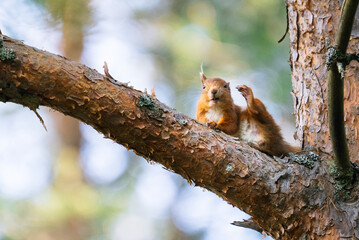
252, 125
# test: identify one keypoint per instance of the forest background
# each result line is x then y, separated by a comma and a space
71, 183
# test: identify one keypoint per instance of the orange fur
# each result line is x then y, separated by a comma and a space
208, 108
253, 125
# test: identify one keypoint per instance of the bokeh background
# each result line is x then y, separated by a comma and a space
71, 183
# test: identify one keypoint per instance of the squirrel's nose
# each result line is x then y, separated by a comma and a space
214, 91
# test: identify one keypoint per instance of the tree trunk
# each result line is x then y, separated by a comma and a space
290, 198
311, 22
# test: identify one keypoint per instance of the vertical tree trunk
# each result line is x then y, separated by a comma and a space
74, 15
310, 23
72, 46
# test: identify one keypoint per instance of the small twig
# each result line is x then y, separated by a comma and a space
352, 56
153, 94
40, 118
298, 36
287, 29
105, 69
248, 224
334, 56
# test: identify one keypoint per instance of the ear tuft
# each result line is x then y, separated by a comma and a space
203, 77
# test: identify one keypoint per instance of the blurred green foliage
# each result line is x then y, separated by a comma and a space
229, 37
59, 10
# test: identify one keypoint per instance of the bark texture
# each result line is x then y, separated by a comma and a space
310, 23
291, 198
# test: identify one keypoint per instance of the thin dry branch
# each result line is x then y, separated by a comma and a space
106, 71
336, 91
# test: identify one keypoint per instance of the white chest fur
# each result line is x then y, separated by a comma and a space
214, 114
249, 132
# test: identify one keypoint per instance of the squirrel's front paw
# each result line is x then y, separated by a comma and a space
212, 124
245, 91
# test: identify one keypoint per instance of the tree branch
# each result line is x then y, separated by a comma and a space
280, 194
336, 92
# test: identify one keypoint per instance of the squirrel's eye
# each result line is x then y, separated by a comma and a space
225, 86
204, 87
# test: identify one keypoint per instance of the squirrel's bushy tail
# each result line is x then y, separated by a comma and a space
292, 149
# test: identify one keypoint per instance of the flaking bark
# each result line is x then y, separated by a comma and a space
310, 23
288, 200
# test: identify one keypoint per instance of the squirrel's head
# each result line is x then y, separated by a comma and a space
215, 90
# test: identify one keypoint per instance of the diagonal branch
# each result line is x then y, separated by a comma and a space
336, 91
271, 190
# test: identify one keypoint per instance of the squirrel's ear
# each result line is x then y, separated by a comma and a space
203, 77
229, 88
